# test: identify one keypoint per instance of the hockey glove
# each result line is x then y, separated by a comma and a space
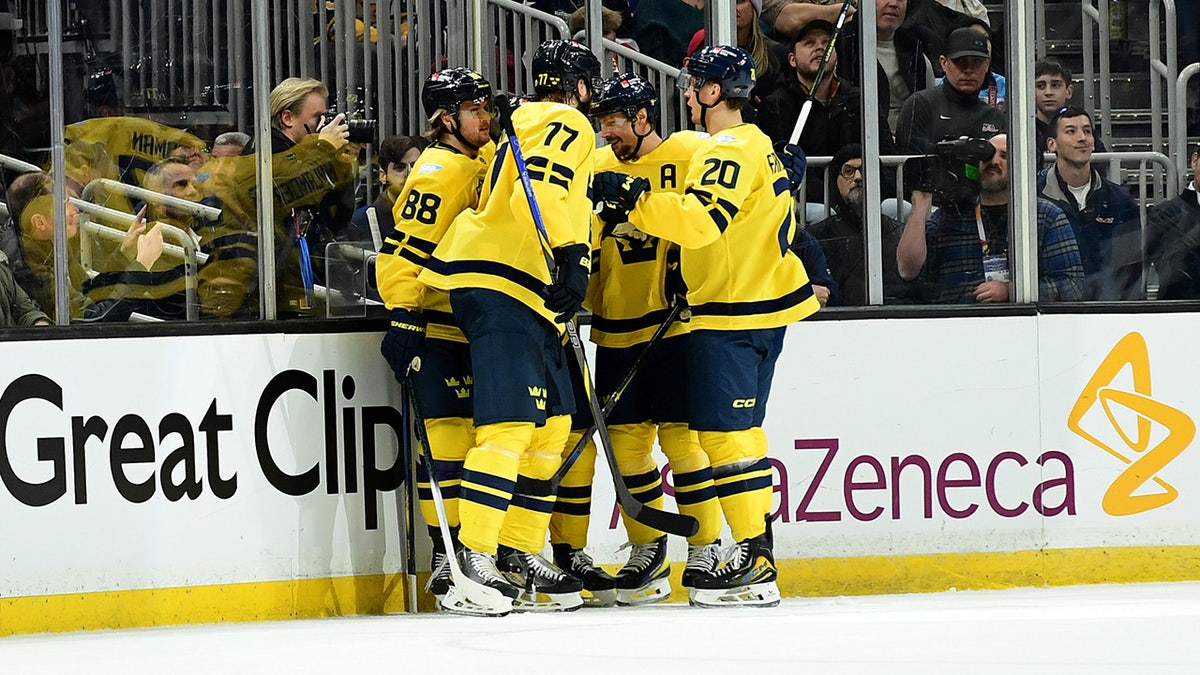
794, 161
564, 296
404, 342
615, 194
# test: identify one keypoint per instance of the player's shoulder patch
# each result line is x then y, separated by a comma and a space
430, 167
724, 138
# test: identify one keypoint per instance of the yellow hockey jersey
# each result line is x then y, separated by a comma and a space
443, 183
497, 246
734, 221
626, 294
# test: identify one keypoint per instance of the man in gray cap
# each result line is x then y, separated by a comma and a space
952, 109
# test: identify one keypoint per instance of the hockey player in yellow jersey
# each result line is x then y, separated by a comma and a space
629, 298
444, 181
493, 264
733, 221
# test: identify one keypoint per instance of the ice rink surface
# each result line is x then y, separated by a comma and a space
1136, 628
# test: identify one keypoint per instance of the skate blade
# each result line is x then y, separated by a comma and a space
656, 591
533, 601
489, 603
599, 598
755, 595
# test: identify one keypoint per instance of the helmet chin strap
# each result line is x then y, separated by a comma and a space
638, 146
458, 134
704, 108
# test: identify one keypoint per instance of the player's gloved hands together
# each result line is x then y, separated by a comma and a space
404, 341
795, 162
564, 296
615, 194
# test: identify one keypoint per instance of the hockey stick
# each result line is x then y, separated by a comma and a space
665, 521
812, 91
474, 592
406, 502
611, 402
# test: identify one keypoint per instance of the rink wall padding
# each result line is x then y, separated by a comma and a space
195, 478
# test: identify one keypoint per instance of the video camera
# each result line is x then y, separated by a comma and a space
951, 173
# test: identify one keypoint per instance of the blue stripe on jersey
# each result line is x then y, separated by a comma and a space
650, 319
412, 257
489, 267
423, 245
756, 306
781, 186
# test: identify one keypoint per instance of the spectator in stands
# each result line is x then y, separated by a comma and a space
785, 17
662, 28
835, 120
16, 307
904, 67
1103, 214
995, 86
610, 23
842, 236
952, 109
397, 157
965, 257
30, 203
1054, 91
1173, 240
764, 50
172, 177
230, 144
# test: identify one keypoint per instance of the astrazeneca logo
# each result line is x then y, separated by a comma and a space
1131, 419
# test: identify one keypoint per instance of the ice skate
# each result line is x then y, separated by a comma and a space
645, 577
599, 586
746, 578
701, 560
544, 587
440, 579
484, 591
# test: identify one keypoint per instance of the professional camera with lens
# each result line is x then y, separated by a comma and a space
361, 130
951, 173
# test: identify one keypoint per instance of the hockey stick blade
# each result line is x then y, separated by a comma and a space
468, 596
672, 523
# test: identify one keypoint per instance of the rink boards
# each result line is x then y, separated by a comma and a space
150, 481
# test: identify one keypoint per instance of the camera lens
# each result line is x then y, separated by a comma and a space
362, 131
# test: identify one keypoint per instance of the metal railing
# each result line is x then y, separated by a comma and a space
1095, 19
1178, 128
513, 31
1164, 69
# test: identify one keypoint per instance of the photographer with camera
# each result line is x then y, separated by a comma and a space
962, 249
314, 164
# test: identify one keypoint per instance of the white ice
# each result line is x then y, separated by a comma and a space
1135, 628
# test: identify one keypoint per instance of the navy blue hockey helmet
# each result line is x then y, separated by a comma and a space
559, 64
731, 67
625, 93
446, 89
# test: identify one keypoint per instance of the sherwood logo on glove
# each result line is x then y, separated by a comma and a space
144, 457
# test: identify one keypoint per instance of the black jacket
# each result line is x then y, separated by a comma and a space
1173, 245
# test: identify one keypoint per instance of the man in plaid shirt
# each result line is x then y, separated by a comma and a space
946, 249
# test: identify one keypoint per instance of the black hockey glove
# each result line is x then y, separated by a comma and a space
404, 341
564, 296
794, 161
615, 194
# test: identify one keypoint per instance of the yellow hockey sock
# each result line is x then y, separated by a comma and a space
695, 494
449, 440
488, 480
632, 446
742, 478
528, 516
573, 503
